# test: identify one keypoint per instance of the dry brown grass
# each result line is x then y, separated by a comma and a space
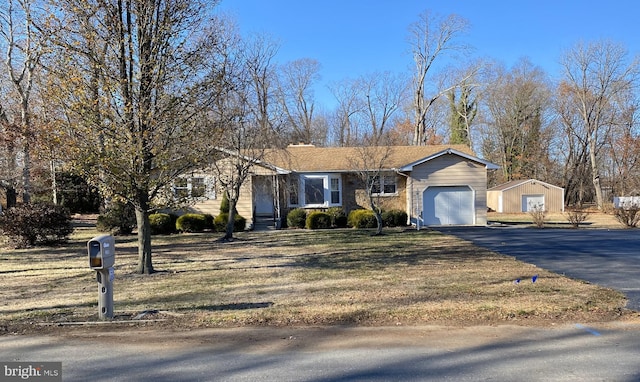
595, 219
297, 278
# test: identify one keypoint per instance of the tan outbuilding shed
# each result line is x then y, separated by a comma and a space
525, 195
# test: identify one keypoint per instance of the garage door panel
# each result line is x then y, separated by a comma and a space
532, 202
448, 205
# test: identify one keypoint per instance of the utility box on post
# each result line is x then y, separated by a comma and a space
102, 254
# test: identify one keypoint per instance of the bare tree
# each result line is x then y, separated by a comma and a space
517, 104
595, 75
9, 169
383, 93
247, 110
369, 165
24, 47
136, 104
623, 150
349, 105
430, 38
296, 98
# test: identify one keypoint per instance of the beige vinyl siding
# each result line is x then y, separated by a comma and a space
493, 200
553, 196
452, 170
245, 202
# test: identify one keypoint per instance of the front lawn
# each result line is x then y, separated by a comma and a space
297, 278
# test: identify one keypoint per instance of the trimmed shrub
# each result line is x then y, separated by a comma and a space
209, 221
362, 219
394, 218
338, 217
318, 220
32, 224
162, 224
191, 223
220, 223
297, 218
119, 219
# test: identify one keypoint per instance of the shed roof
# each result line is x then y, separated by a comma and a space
516, 183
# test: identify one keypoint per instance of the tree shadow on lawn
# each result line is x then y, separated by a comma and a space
234, 306
390, 255
318, 249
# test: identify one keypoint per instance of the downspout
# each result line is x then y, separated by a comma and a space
276, 182
409, 197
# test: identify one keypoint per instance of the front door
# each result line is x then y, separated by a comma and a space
263, 195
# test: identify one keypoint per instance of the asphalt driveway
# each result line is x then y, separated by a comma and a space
609, 258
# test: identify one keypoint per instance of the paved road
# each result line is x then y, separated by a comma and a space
570, 353
609, 258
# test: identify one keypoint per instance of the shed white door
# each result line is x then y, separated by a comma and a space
448, 205
531, 202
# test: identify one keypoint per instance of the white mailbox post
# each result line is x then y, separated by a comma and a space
101, 250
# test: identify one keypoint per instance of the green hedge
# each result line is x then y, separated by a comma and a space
208, 218
394, 218
220, 223
362, 219
318, 220
191, 223
338, 217
162, 224
297, 218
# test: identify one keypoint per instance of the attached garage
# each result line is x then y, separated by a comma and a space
525, 195
448, 205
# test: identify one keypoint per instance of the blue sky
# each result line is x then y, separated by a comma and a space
350, 38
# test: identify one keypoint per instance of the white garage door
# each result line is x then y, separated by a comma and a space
450, 205
531, 202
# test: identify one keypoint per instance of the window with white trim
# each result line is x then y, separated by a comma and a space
195, 187
384, 185
317, 190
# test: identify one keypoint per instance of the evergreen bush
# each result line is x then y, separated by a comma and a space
394, 218
297, 218
162, 224
362, 219
338, 217
220, 223
224, 204
318, 220
191, 223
